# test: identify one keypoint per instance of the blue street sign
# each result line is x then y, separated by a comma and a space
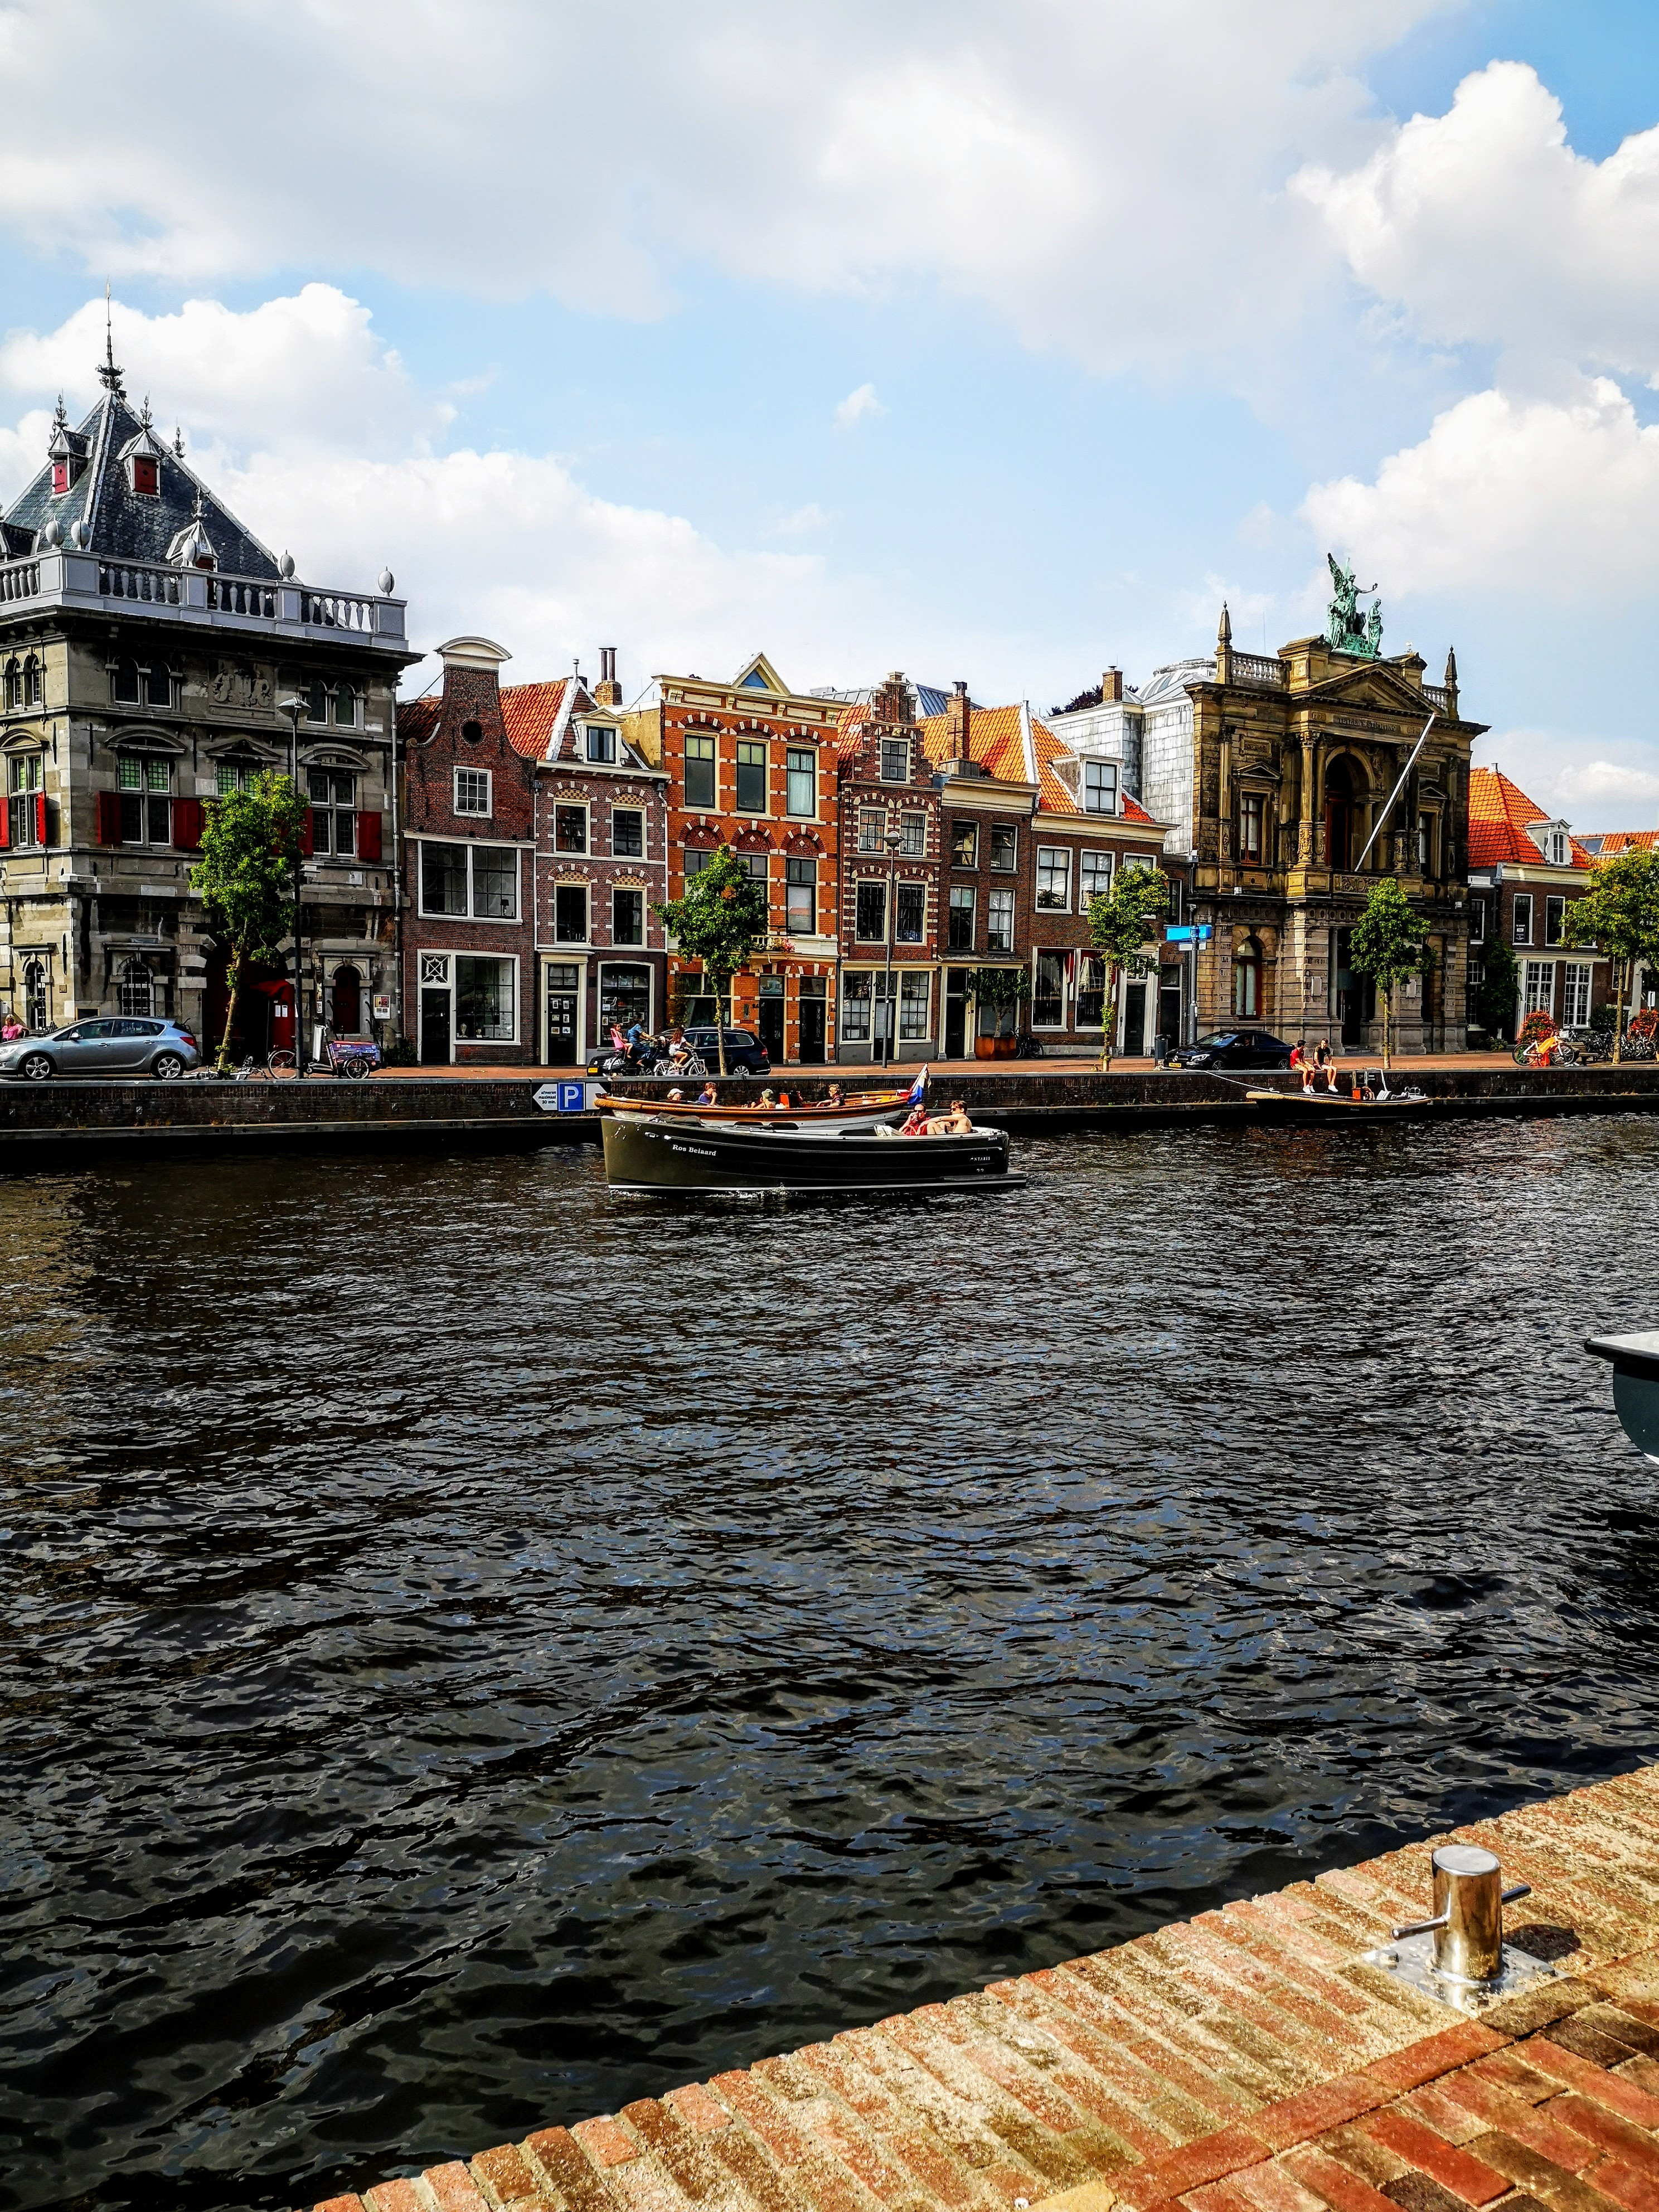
1185, 932
572, 1097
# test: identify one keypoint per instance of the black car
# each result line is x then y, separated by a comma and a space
745, 1054
1234, 1049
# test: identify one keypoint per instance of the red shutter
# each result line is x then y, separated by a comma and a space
5, 826
368, 836
39, 817
306, 846
109, 818
187, 825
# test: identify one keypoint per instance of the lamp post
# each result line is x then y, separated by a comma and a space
293, 709
892, 840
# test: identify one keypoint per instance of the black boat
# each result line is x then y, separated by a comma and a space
1635, 1362
662, 1155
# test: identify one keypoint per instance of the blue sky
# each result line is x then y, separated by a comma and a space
562, 314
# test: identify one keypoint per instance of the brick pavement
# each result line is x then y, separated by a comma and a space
1245, 2060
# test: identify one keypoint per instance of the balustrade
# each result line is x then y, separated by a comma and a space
150, 583
1258, 670
19, 580
1438, 697
119, 579
335, 611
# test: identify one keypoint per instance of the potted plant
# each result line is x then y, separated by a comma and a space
999, 991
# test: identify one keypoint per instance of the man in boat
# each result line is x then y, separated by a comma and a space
917, 1124
956, 1123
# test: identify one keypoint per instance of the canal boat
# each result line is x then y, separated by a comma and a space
1635, 1361
1337, 1108
660, 1155
868, 1110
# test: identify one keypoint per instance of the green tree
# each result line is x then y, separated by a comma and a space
1618, 915
1500, 986
997, 989
244, 879
1390, 941
721, 921
1121, 922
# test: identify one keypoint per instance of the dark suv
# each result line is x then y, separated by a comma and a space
744, 1053
1234, 1049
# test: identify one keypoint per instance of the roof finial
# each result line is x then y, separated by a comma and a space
177, 441
144, 413
60, 420
1224, 634
108, 374
1451, 668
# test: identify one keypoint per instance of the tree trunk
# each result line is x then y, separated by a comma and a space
722, 1002
1109, 1028
1619, 1021
1387, 1009
234, 992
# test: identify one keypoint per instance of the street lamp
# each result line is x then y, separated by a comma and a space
293, 709
892, 840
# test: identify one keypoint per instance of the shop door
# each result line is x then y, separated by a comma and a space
563, 990
346, 1006
434, 1029
956, 1013
814, 1031
769, 1017
1352, 1009
1168, 1004
1134, 1019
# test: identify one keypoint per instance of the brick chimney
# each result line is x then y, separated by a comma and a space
607, 692
958, 713
1111, 686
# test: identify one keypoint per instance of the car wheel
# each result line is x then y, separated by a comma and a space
35, 1067
166, 1068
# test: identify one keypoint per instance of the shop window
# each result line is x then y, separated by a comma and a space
913, 835
1100, 786
570, 828
1523, 919
1000, 922
484, 999
910, 913
1048, 997
870, 917
1554, 908
628, 917
1095, 880
472, 791
333, 795
627, 833
801, 796
699, 771
857, 997
1053, 891
624, 995
1004, 849
801, 889
1247, 981
962, 918
751, 778
964, 844
145, 784
916, 1003
895, 760
1251, 810
570, 913
24, 773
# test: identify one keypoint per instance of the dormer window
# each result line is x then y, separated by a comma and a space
601, 743
60, 478
146, 476
1100, 786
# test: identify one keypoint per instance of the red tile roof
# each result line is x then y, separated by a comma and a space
528, 714
417, 719
1499, 811
1620, 841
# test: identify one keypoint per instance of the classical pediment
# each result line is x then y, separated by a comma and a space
1372, 687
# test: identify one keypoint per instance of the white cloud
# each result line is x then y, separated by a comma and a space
1486, 226
856, 406
1564, 772
801, 521
1104, 175
1541, 498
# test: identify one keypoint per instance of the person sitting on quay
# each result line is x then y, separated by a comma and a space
1325, 1064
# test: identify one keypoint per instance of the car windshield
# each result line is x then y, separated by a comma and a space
1218, 1037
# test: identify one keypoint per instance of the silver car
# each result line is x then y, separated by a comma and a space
106, 1045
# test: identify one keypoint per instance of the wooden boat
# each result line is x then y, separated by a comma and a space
1332, 1108
1635, 1384
868, 1110
660, 1155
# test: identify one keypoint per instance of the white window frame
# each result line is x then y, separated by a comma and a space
884, 746
964, 899
711, 738
1041, 953
739, 764
456, 1040
568, 805
1101, 890
574, 883
1000, 899
639, 813
1558, 900
877, 884
1577, 979
1537, 987
913, 825
1104, 771
792, 753
1477, 921
872, 827
484, 813
435, 970
605, 733
470, 845
916, 984
629, 944
1046, 857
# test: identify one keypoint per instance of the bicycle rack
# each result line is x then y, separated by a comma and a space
1459, 1956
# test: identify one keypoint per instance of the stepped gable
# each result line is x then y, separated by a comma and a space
1499, 815
123, 523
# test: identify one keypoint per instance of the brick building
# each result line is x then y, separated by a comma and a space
537, 841
892, 881
148, 640
1525, 866
754, 765
1032, 832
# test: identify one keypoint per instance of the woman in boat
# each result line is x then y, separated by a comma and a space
709, 1096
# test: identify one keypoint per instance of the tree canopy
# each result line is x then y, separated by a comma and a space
1121, 922
1619, 914
1390, 941
245, 877
721, 921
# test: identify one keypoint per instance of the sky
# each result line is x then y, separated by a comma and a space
999, 342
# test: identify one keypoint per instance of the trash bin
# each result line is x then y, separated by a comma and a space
1160, 1051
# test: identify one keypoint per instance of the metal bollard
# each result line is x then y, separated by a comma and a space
1467, 1926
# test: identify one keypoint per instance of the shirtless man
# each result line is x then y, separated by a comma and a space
953, 1124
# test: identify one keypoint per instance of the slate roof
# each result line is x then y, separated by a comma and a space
1499, 813
123, 525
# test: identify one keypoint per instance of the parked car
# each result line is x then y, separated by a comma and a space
744, 1053
1234, 1049
111, 1044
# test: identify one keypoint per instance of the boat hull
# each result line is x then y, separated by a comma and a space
1319, 1111
667, 1157
818, 1123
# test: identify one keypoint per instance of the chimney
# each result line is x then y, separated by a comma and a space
1111, 685
607, 692
957, 720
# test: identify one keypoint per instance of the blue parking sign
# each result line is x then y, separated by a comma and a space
573, 1097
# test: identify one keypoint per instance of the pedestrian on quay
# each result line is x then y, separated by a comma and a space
10, 1028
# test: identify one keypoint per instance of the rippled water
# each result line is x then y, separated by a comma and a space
475, 1653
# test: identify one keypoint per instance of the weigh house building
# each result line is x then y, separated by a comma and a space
146, 641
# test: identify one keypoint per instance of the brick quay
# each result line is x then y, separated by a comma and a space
1250, 2060
55, 1124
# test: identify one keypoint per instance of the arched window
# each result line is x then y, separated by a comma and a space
31, 681
36, 998
1341, 815
14, 685
345, 707
346, 1006
137, 989
124, 686
317, 703
1247, 981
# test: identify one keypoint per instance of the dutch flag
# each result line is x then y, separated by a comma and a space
918, 1089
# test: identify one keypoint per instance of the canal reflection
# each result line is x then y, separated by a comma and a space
477, 1652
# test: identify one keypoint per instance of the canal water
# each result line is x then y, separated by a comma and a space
476, 1652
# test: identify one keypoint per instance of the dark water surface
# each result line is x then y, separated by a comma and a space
475, 1653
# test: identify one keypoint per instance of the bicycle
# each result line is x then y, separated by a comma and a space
677, 1068
1563, 1054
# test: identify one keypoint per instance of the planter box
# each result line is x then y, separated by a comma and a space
995, 1048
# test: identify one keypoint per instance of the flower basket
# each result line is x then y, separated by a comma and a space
1537, 1026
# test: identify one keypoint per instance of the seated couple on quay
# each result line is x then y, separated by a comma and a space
1319, 1061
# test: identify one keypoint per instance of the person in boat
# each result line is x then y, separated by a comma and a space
676, 1097
837, 1097
956, 1123
917, 1124
769, 1096
709, 1096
